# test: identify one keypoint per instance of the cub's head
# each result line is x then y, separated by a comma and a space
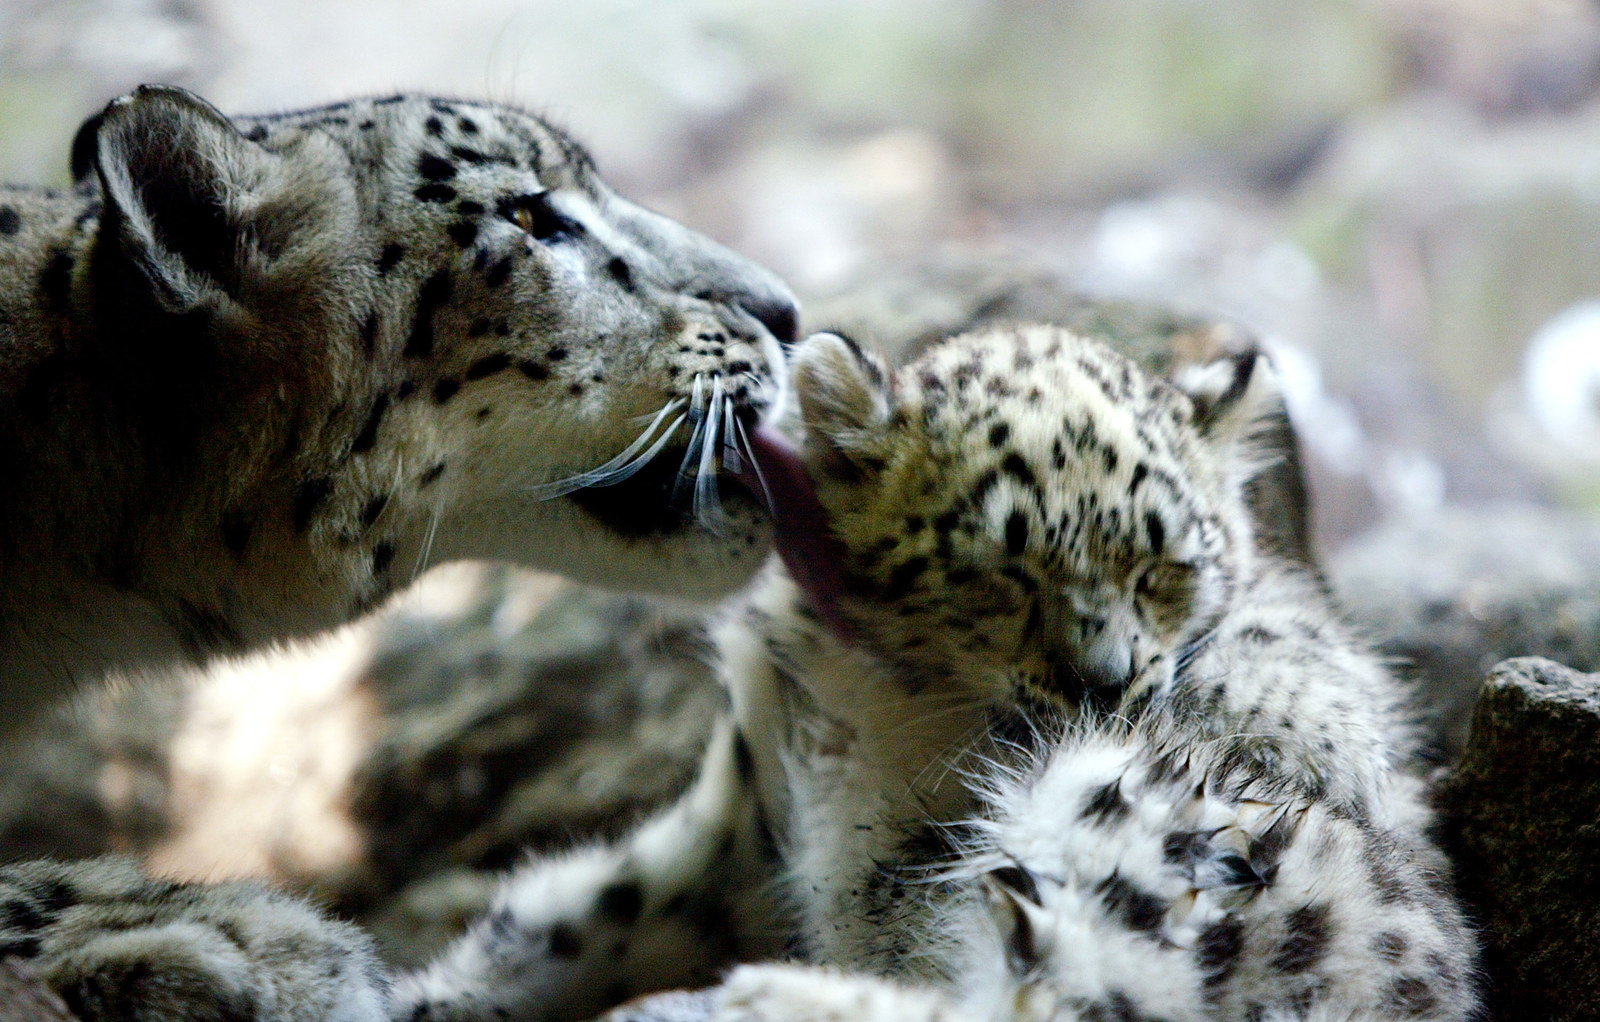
1026, 511
436, 309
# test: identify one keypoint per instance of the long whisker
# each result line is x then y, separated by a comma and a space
627, 471
598, 475
426, 552
731, 459
744, 440
707, 503
683, 484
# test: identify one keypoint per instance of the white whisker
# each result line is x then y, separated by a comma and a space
731, 459
707, 503
691, 458
426, 552
599, 475
627, 471
744, 439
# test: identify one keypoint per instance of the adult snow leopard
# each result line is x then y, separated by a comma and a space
1053, 742
256, 372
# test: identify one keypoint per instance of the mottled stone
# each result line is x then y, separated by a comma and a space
1456, 592
1525, 825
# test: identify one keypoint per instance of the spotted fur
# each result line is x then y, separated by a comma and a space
257, 373
1034, 532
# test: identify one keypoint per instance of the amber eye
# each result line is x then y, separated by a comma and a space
535, 215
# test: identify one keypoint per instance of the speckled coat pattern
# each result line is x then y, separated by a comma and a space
256, 373
1079, 752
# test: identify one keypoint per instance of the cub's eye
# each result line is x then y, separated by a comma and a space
535, 215
1166, 581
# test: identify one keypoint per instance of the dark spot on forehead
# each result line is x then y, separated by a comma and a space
433, 126
999, 433
1157, 531
533, 370
1016, 533
463, 233
444, 390
435, 168
468, 126
619, 271
435, 192
432, 474
257, 133
10, 220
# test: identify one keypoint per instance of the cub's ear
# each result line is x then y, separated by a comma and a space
200, 211
844, 395
1231, 395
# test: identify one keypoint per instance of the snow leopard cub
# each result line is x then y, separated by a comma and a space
1037, 735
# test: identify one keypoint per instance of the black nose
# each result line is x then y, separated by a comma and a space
779, 315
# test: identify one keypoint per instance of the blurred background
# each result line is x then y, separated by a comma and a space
1404, 192
1402, 197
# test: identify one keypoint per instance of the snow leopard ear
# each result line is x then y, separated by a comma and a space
1231, 395
1013, 896
203, 214
845, 396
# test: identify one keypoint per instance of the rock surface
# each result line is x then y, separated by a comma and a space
1454, 593
1526, 831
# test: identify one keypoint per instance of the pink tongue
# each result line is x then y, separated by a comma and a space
805, 542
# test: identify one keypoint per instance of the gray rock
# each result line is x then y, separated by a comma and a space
1455, 593
1525, 824
491, 745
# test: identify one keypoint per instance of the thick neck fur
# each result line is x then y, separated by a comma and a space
171, 494
255, 374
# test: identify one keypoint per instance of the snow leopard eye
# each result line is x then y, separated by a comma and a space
541, 220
